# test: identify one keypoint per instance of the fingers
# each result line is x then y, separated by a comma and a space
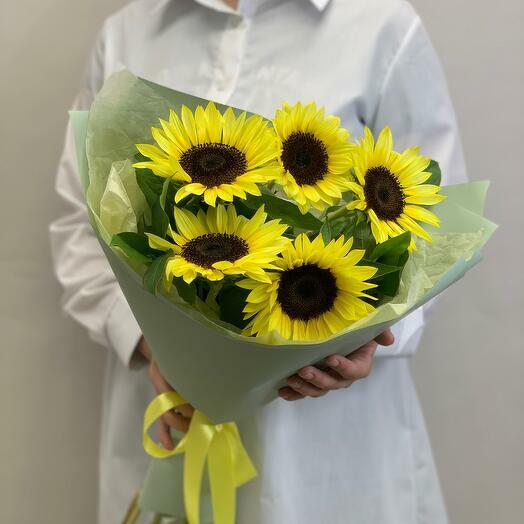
304, 387
178, 418
322, 379
176, 421
186, 410
163, 434
288, 393
313, 382
356, 365
159, 382
386, 338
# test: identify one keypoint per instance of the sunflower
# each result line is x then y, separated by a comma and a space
219, 243
314, 155
317, 292
215, 155
390, 188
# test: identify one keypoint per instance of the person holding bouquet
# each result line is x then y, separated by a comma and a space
359, 454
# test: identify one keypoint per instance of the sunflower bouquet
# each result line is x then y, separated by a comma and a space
248, 248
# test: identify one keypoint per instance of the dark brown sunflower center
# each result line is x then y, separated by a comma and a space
305, 157
306, 292
213, 164
207, 249
383, 193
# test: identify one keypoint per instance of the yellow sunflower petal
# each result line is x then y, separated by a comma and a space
383, 147
161, 244
188, 224
422, 214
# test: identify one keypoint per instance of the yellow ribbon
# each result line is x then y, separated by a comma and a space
228, 463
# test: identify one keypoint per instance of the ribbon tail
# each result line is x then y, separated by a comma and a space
222, 479
242, 465
196, 443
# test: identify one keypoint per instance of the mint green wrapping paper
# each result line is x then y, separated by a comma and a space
220, 372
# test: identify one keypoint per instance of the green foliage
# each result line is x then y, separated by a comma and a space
362, 236
383, 269
436, 175
243, 209
187, 292
232, 300
326, 232
351, 224
150, 184
390, 250
160, 220
285, 210
192, 204
389, 258
154, 274
160, 196
343, 225
135, 246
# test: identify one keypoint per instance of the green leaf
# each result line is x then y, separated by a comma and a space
155, 273
187, 292
150, 184
392, 247
353, 224
141, 225
287, 211
159, 216
163, 195
193, 204
436, 174
361, 217
387, 285
167, 198
343, 225
363, 237
383, 269
331, 209
243, 209
232, 301
326, 232
160, 220
403, 258
135, 246
392, 255
139, 157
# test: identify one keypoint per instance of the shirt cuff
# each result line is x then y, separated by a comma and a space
123, 331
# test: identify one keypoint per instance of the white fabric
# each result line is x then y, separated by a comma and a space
357, 456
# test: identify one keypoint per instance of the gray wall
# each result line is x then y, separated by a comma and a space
468, 369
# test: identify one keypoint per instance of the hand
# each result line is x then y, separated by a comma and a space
314, 382
178, 418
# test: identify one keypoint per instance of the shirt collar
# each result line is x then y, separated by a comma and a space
219, 5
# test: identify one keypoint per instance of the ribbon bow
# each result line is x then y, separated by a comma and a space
228, 463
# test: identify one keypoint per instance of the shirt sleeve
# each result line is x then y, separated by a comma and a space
415, 103
91, 293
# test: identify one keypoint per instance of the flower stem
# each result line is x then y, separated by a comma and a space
338, 213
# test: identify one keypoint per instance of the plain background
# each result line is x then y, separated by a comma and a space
468, 368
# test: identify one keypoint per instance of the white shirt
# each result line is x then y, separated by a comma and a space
358, 456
